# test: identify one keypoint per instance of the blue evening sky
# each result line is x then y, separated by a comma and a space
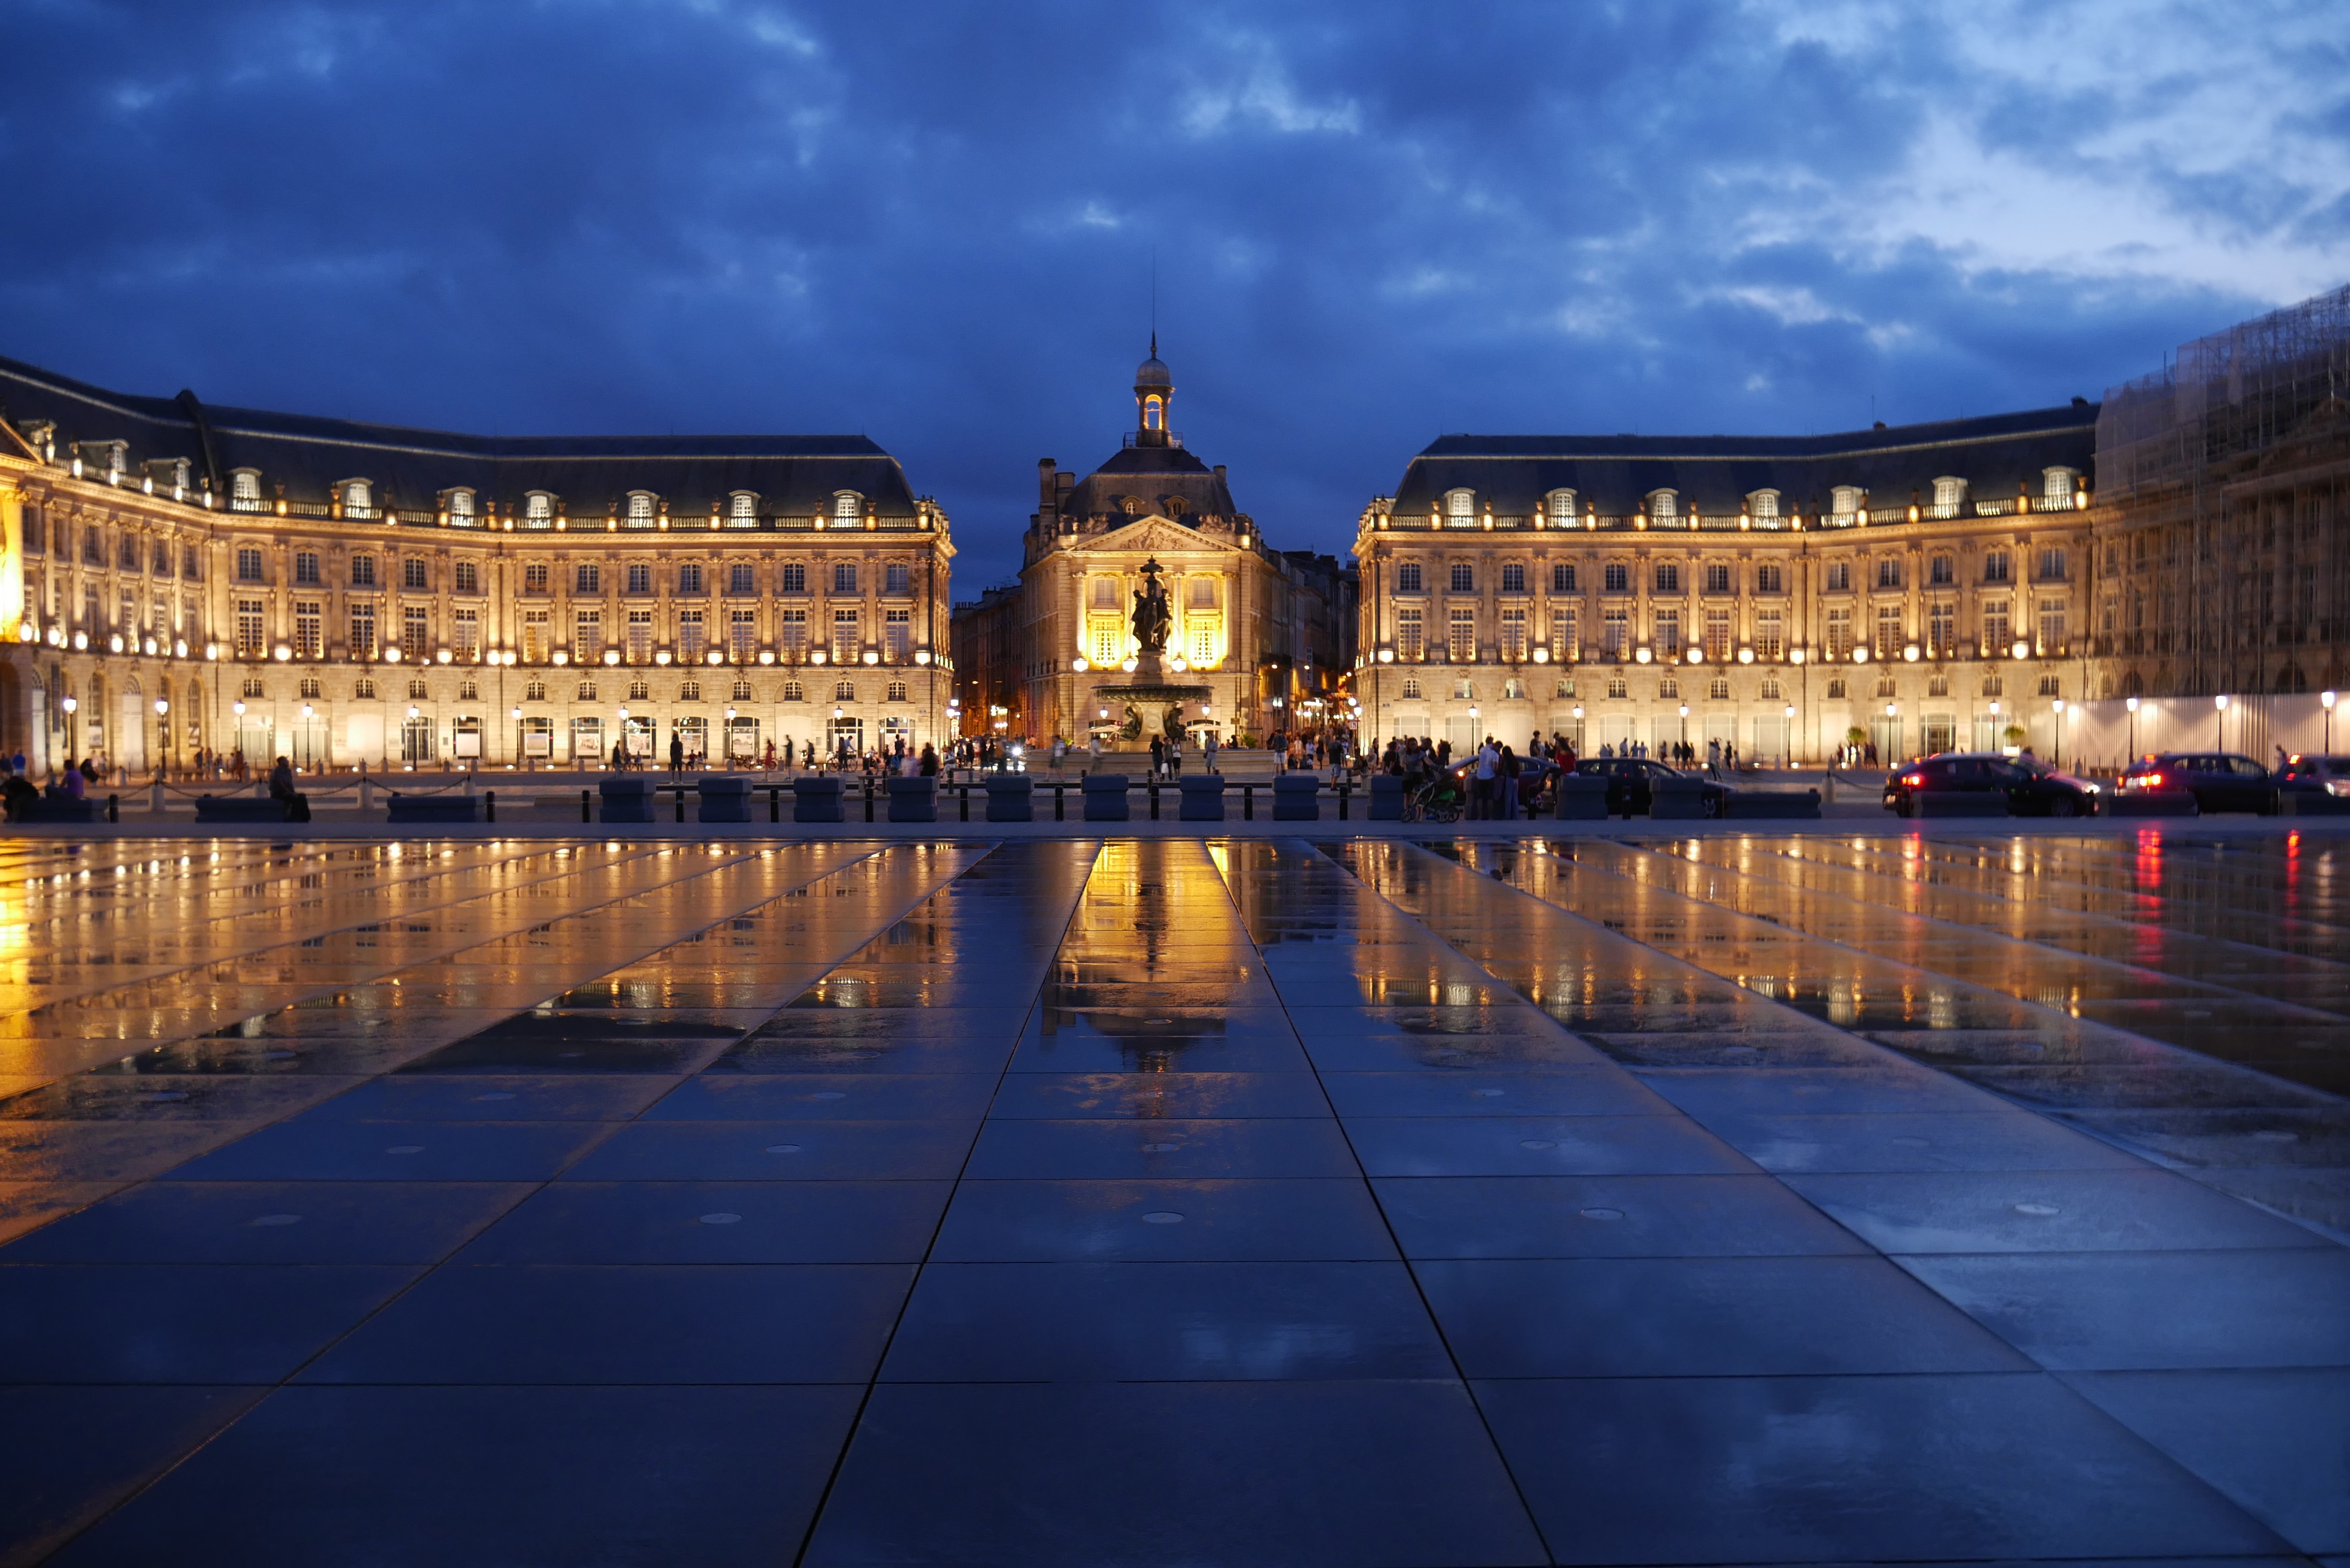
1372, 224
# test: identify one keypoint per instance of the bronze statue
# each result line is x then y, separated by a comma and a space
1154, 618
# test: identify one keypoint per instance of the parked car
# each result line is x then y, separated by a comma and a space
2219, 781
2033, 787
1631, 783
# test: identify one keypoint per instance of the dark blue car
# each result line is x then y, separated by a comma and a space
2219, 781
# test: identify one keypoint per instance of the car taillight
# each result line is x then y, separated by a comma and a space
2150, 781
1915, 781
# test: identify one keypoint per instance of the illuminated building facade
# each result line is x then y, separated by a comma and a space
177, 577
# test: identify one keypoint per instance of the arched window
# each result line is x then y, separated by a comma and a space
641, 508
844, 691
845, 506
1664, 504
1411, 686
794, 692
743, 510
1763, 503
1154, 413
1560, 504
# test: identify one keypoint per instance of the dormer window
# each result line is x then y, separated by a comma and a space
743, 510
460, 506
846, 506
358, 498
1845, 500
1460, 508
1560, 505
1129, 505
1763, 503
642, 505
1175, 506
1949, 494
1664, 504
2056, 485
538, 509
245, 489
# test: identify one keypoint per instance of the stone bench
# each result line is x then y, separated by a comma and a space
1202, 798
430, 809
1106, 797
1011, 797
816, 797
913, 800
725, 797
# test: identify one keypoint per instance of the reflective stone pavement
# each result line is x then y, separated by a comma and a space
1740, 1199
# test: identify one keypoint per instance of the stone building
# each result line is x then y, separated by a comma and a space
1924, 584
175, 577
1237, 636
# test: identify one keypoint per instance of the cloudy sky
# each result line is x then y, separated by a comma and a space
937, 224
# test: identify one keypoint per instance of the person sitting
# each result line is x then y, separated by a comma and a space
19, 795
281, 789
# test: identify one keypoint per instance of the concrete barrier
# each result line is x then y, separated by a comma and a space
816, 797
1011, 797
1777, 804
1296, 797
1581, 797
1677, 800
628, 798
913, 800
1106, 797
1203, 798
725, 797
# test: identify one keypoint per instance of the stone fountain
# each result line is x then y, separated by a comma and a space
1153, 620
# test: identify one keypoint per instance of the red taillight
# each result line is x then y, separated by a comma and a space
2150, 781
1915, 781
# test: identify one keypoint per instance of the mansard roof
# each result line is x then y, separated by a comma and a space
308, 454
1996, 455
1151, 474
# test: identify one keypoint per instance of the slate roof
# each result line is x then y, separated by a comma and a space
1151, 475
791, 474
1716, 473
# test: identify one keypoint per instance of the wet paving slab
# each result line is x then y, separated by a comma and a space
1621, 1200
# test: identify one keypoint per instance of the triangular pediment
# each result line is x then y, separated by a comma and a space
1154, 535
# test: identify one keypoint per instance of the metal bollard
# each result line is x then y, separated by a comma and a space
585, 813
114, 809
1057, 788
1153, 787
489, 806
1248, 802
681, 803
774, 803
966, 802
869, 797
1342, 801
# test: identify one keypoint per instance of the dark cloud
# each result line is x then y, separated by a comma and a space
937, 224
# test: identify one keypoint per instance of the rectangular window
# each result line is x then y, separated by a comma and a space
1770, 579
589, 578
467, 634
1409, 644
741, 578
844, 577
310, 629
1514, 635
363, 645
688, 576
362, 571
1717, 633
795, 578
1562, 577
1839, 640
1207, 633
2051, 565
1940, 572
468, 577
413, 573
897, 578
1462, 643
1890, 639
248, 565
1618, 577
1839, 577
587, 636
1616, 631
250, 628
742, 634
693, 636
1668, 577
534, 636
1408, 577
1667, 634
534, 577
640, 637
1997, 635
1995, 566
1717, 577
791, 633
192, 566
897, 635
640, 577
1106, 640
1513, 579
1888, 573
1941, 628
306, 568
844, 635
1464, 577
2052, 624
1769, 640
1563, 644
415, 633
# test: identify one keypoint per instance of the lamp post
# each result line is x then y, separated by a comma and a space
1787, 740
2056, 748
2219, 708
2131, 703
2326, 700
519, 758
1998, 741
69, 704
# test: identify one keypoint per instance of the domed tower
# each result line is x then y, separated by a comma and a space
1154, 395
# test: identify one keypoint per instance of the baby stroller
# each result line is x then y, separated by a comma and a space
1438, 800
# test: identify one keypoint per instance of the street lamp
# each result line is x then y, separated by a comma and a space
69, 704
2131, 703
518, 719
2327, 699
2056, 747
2219, 705
1787, 740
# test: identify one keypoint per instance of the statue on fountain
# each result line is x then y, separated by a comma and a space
1154, 618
